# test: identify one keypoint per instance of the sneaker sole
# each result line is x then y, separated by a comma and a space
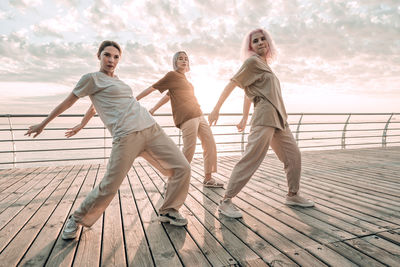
170, 221
229, 215
289, 203
68, 236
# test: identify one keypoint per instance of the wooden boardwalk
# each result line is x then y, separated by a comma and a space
356, 220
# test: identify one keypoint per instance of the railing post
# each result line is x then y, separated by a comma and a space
12, 140
385, 131
104, 145
298, 129
242, 141
179, 138
344, 132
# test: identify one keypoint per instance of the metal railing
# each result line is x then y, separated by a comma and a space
311, 131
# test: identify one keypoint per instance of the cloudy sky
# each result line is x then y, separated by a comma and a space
334, 56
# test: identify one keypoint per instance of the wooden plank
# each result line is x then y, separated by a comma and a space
349, 182
310, 226
390, 247
88, 251
22, 240
201, 231
9, 209
324, 199
345, 200
360, 171
6, 172
8, 232
337, 219
286, 239
163, 252
42, 246
375, 252
137, 249
391, 235
354, 255
63, 251
113, 248
186, 249
348, 186
10, 194
15, 177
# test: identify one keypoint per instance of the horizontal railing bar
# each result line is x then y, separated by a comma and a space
357, 144
339, 137
341, 130
206, 114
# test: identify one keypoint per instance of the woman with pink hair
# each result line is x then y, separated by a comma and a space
269, 125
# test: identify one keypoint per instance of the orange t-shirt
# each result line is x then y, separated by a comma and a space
183, 101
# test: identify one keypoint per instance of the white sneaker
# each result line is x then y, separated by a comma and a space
174, 218
298, 200
70, 229
227, 208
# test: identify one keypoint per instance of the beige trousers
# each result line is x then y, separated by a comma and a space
259, 140
198, 127
155, 146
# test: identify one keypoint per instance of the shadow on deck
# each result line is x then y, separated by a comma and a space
356, 220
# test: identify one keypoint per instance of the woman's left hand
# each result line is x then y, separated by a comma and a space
241, 125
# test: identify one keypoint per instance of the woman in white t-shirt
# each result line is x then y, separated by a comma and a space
134, 132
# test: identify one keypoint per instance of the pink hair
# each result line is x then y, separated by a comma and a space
247, 52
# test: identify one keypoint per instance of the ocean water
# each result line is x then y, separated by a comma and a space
92, 144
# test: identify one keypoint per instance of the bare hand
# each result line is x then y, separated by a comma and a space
213, 117
73, 131
37, 129
241, 125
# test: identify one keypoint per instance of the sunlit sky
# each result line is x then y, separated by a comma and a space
334, 56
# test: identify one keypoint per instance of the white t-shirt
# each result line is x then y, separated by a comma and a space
114, 102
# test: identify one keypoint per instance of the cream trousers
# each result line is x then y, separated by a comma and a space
198, 127
259, 140
155, 146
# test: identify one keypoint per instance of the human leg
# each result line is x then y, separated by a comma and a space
124, 151
209, 153
287, 151
255, 151
189, 136
164, 151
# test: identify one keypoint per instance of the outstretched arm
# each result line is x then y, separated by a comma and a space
63, 106
89, 114
145, 92
213, 117
162, 101
246, 108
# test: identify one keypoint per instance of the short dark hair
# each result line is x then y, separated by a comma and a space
106, 43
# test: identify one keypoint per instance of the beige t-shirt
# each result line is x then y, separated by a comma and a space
114, 102
263, 88
183, 101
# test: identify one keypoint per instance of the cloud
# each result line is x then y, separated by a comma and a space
57, 25
335, 45
23, 4
105, 17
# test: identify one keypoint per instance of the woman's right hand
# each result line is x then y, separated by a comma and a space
73, 131
37, 129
